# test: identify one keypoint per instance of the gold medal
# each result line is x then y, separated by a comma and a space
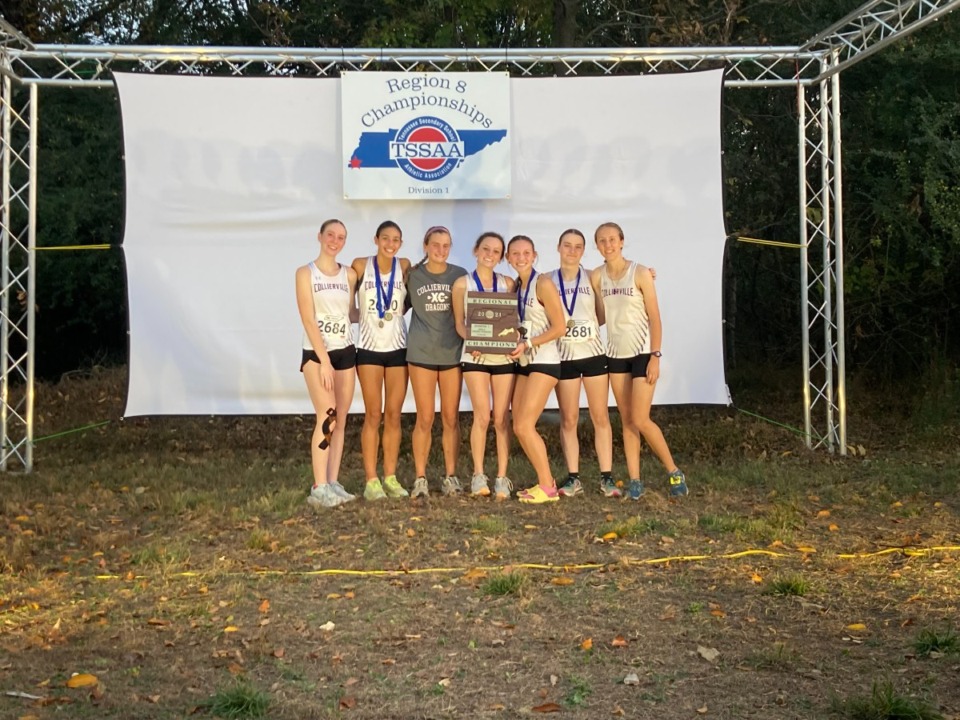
388, 316
522, 330
570, 323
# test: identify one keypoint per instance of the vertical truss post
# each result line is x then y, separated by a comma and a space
821, 273
18, 154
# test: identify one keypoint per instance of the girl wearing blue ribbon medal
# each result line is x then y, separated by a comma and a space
583, 361
382, 357
542, 324
488, 376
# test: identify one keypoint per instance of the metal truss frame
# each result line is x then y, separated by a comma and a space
813, 68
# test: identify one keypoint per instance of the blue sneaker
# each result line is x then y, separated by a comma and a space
571, 487
678, 484
635, 491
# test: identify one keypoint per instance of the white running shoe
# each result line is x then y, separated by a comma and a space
420, 488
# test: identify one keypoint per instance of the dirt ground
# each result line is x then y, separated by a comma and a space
175, 561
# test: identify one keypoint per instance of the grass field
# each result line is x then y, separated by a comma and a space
173, 566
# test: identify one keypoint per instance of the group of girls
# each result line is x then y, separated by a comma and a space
559, 349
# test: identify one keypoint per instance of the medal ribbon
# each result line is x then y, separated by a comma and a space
476, 279
522, 304
384, 298
563, 291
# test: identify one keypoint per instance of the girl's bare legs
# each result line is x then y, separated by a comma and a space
344, 382
450, 383
598, 394
322, 400
622, 384
424, 384
529, 399
568, 400
502, 391
479, 388
395, 381
371, 385
640, 407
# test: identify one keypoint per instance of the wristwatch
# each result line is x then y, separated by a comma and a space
656, 354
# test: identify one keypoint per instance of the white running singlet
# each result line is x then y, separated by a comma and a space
536, 321
628, 327
393, 334
583, 339
331, 308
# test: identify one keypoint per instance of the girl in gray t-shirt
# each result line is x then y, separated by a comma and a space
433, 358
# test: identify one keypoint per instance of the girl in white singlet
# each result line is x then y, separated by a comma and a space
541, 321
489, 376
583, 361
382, 357
634, 332
324, 296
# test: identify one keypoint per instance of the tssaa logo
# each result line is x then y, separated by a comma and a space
426, 148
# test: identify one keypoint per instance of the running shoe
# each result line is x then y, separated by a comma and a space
678, 484
341, 492
571, 487
480, 485
451, 485
537, 495
502, 487
393, 488
635, 490
420, 488
323, 496
609, 488
374, 490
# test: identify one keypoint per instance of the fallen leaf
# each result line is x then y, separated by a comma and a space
234, 668
717, 612
823, 514
619, 641
497, 707
411, 532
806, 549
264, 606
333, 596
278, 653
833, 527
549, 707
631, 679
669, 613
702, 710
562, 580
350, 681
158, 622
82, 680
587, 644
618, 711
231, 629
327, 626
609, 536
388, 661
708, 654
347, 703
444, 682
856, 627
554, 680
529, 527
475, 574
152, 698
349, 595
756, 579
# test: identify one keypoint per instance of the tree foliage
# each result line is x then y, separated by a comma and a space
901, 127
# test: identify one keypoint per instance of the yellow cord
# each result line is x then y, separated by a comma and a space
773, 243
75, 247
909, 552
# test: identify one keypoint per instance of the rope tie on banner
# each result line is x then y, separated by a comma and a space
911, 552
772, 243
103, 246
792, 429
71, 431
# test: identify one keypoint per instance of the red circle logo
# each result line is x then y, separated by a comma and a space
427, 134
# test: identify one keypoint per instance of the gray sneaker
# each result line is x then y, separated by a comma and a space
451, 486
420, 488
341, 492
323, 496
480, 485
502, 487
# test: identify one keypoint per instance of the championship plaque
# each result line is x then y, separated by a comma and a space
492, 322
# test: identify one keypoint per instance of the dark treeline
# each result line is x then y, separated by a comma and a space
901, 156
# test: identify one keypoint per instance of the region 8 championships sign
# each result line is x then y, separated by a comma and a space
425, 136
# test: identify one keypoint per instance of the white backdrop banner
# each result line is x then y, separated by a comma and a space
228, 180
425, 136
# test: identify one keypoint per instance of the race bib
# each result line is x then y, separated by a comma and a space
333, 326
581, 331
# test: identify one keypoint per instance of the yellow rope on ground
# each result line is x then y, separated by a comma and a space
75, 247
773, 243
908, 551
